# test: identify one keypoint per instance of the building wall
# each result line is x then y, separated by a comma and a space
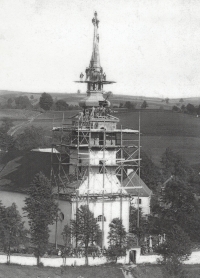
8, 198
144, 204
111, 211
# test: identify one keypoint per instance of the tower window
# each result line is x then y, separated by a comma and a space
99, 218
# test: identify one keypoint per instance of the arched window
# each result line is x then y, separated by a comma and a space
99, 218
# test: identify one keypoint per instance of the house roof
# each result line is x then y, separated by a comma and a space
134, 180
45, 150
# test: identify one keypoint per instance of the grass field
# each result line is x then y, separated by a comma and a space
180, 132
17, 114
155, 271
14, 271
143, 271
160, 129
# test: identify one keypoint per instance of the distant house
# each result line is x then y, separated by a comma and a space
142, 195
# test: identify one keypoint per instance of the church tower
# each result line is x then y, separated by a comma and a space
99, 151
98, 163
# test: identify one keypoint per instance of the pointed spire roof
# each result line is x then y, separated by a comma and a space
95, 78
95, 59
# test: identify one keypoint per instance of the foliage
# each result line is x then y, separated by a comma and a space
140, 231
130, 105
181, 100
116, 239
32, 137
149, 173
174, 165
12, 231
85, 229
183, 108
144, 104
175, 108
46, 101
67, 235
167, 100
182, 208
198, 110
174, 250
41, 209
6, 141
22, 102
190, 108
7, 123
9, 103
61, 105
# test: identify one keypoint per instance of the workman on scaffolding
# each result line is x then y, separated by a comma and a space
81, 76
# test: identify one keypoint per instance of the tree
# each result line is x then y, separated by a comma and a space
198, 110
9, 103
67, 235
41, 209
117, 240
31, 97
167, 100
144, 104
140, 231
6, 141
174, 165
46, 101
181, 100
22, 102
190, 108
129, 105
7, 123
61, 105
149, 172
175, 249
12, 231
32, 137
85, 229
182, 208
175, 108
183, 108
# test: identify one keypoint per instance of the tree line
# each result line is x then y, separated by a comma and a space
187, 109
46, 103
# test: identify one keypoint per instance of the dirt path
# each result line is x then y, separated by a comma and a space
15, 128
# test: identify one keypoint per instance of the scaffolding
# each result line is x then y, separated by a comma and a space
80, 144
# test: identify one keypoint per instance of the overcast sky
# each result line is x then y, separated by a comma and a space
149, 47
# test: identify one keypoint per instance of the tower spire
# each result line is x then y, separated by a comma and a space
94, 75
95, 59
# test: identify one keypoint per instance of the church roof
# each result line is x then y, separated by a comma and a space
134, 180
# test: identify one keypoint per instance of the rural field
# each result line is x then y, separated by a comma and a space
104, 271
67, 272
160, 129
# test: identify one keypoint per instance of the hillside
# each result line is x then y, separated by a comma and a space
74, 98
160, 129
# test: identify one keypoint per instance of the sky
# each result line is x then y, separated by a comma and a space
149, 47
